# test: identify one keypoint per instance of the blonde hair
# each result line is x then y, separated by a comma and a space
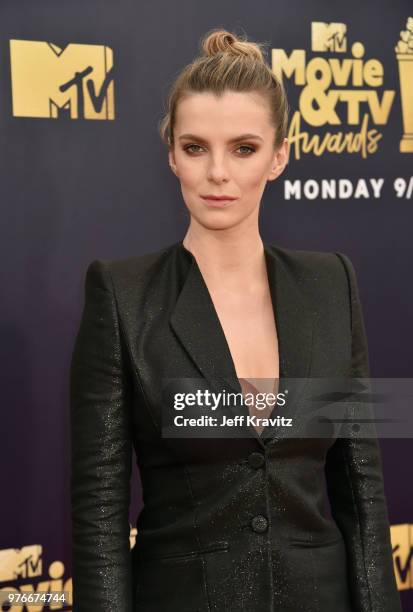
228, 62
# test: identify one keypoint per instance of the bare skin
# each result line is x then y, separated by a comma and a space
225, 241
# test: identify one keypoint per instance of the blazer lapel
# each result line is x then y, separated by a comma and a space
294, 322
292, 312
197, 325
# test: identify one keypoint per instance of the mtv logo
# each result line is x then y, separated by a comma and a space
402, 545
16, 563
49, 81
328, 37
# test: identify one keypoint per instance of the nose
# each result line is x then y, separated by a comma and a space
217, 170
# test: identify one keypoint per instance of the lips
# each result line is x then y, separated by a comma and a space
218, 201
211, 196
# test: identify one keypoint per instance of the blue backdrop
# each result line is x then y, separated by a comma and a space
84, 175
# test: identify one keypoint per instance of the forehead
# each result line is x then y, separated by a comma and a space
237, 111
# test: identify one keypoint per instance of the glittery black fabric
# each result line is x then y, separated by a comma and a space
227, 524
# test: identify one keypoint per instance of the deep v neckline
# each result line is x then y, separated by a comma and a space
271, 290
195, 323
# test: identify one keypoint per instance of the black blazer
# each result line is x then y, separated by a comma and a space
235, 524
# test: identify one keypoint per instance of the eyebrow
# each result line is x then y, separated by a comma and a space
236, 139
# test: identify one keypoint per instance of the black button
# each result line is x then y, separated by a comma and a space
256, 460
259, 523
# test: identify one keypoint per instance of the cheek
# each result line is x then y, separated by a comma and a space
253, 176
190, 173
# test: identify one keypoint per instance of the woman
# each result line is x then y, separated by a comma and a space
236, 523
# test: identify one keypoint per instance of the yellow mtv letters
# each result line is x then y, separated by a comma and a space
50, 81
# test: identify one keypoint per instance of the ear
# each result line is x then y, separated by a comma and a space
280, 160
171, 159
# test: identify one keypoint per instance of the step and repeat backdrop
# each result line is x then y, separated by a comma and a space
84, 175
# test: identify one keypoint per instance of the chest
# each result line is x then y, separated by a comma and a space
249, 327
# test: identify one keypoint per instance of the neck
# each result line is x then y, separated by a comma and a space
234, 257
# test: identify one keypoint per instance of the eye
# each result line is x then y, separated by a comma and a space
250, 149
190, 147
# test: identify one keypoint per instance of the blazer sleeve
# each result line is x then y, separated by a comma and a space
100, 454
356, 491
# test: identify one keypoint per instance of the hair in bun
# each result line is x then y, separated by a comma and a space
221, 41
228, 63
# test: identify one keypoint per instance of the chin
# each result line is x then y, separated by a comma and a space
215, 220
